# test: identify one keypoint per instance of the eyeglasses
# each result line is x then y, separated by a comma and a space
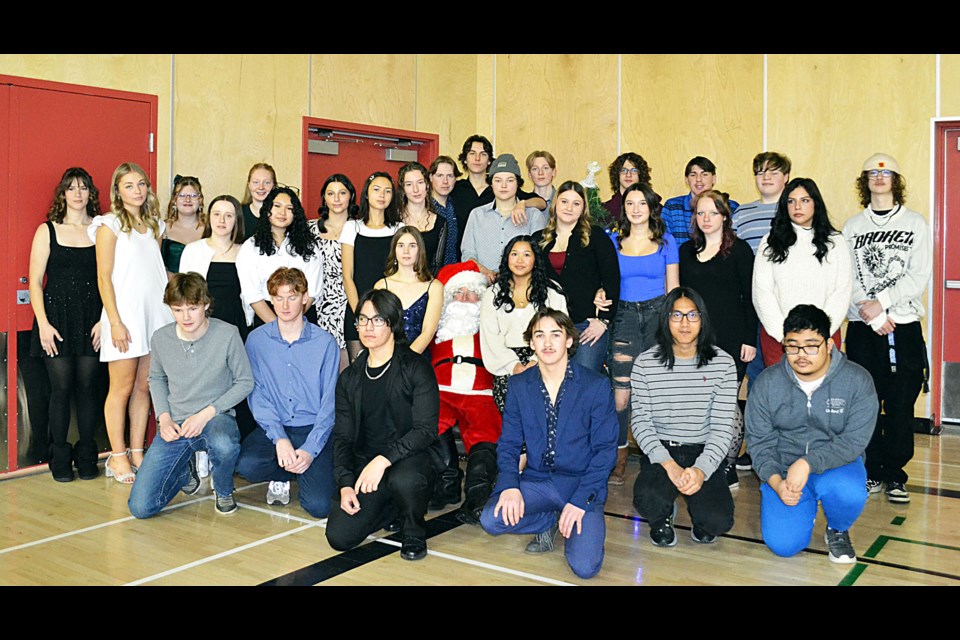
188, 196
632, 171
678, 316
809, 349
876, 173
378, 321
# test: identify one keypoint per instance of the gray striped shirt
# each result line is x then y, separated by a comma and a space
686, 405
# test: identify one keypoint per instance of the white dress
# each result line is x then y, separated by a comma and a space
139, 279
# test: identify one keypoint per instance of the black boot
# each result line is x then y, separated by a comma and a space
446, 490
85, 458
480, 478
61, 462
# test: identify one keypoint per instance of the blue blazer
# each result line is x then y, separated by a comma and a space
587, 431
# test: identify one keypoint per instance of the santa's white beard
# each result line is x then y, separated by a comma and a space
458, 319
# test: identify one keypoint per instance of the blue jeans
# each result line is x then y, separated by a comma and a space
258, 463
165, 466
841, 491
542, 504
592, 356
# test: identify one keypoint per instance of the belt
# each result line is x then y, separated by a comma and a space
460, 360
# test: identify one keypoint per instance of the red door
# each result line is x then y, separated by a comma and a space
48, 127
945, 362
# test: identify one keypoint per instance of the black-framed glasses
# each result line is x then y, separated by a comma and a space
378, 321
809, 349
678, 316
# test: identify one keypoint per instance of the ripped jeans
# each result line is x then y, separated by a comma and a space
633, 331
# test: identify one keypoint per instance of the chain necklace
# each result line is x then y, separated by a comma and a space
366, 370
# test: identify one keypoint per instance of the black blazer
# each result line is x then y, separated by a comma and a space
586, 270
413, 406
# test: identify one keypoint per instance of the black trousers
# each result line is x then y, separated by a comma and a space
711, 508
404, 492
891, 446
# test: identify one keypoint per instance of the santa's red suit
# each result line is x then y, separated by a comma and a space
466, 390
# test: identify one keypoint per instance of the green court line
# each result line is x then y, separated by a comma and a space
898, 521
883, 540
852, 575
876, 546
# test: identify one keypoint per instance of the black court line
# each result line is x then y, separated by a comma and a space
818, 552
357, 557
932, 491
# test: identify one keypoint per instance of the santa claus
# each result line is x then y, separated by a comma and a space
466, 394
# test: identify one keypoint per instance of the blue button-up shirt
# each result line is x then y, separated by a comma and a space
294, 383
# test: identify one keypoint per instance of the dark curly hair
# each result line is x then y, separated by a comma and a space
643, 169
862, 184
302, 242
656, 224
468, 144
324, 211
58, 208
782, 236
706, 351
539, 282
391, 215
720, 200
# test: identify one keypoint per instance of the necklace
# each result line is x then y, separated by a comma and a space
366, 370
420, 223
886, 218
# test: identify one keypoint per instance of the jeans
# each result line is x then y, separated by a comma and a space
842, 492
542, 504
633, 331
592, 356
258, 463
165, 466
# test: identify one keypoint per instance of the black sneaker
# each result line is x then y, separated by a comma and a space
874, 486
744, 462
733, 480
841, 549
193, 482
225, 504
701, 536
543, 542
896, 492
663, 535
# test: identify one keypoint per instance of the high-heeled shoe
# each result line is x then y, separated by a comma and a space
135, 467
122, 478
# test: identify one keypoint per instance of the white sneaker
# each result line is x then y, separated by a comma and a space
278, 493
203, 464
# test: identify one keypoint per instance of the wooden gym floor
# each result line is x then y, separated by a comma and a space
82, 534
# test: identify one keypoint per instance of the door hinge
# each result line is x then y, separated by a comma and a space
151, 142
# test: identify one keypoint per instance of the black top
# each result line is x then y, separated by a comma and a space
373, 442
224, 285
170, 251
726, 286
250, 221
587, 269
436, 241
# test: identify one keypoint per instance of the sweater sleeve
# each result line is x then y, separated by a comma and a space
916, 274
839, 299
764, 294
762, 437
722, 408
641, 416
239, 366
498, 358
157, 379
857, 292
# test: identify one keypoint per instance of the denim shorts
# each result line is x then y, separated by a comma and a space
633, 331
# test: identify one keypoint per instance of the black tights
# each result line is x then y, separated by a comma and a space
73, 376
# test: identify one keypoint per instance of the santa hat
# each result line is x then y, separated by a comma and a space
462, 274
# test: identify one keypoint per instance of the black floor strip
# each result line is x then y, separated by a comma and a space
931, 491
357, 557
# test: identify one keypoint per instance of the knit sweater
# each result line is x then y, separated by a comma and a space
689, 405
891, 263
802, 279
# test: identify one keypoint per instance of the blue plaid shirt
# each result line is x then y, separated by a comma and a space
677, 214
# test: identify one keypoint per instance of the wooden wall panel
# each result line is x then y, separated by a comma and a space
675, 107
950, 85
142, 73
447, 98
565, 104
486, 99
375, 89
232, 111
829, 113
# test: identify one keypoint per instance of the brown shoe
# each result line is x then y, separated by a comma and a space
618, 475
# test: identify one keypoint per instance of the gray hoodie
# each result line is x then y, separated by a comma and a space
832, 430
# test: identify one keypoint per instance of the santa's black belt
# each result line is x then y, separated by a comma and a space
460, 360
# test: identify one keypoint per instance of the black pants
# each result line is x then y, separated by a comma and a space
404, 492
711, 508
891, 446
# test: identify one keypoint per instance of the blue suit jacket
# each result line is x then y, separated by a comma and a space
587, 431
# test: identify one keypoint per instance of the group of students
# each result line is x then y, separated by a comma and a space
658, 315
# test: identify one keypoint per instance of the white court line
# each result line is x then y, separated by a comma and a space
224, 554
67, 534
279, 514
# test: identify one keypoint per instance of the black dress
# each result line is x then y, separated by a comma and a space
369, 261
224, 285
71, 298
436, 244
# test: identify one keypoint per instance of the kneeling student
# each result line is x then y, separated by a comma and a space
809, 419
684, 396
565, 414
198, 372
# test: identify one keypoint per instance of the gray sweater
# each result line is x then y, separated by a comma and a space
186, 377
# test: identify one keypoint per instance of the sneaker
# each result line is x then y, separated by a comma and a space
663, 534
278, 493
733, 480
841, 549
896, 492
225, 504
193, 482
203, 464
874, 486
543, 542
744, 462
701, 536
